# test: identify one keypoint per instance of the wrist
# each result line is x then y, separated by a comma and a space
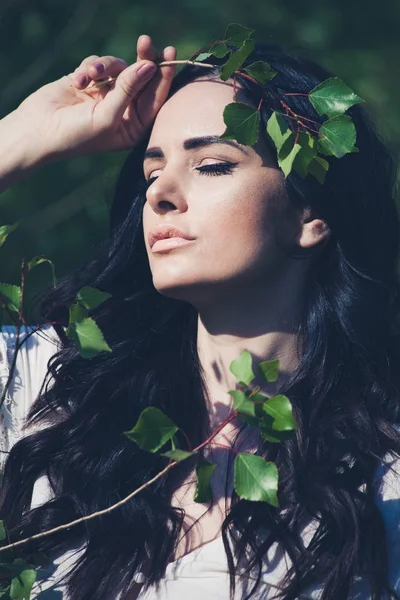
19, 152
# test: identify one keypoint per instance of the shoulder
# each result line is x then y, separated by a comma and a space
27, 378
36, 348
388, 502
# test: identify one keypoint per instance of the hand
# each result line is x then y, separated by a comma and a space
70, 117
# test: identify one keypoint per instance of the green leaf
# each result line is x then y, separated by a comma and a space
269, 370
297, 152
242, 403
236, 34
318, 168
90, 297
204, 470
204, 56
287, 154
236, 60
278, 130
21, 585
177, 454
242, 369
152, 430
38, 260
306, 155
88, 337
266, 422
275, 437
11, 294
340, 135
280, 409
256, 479
242, 122
5, 231
219, 49
3, 534
77, 313
333, 97
261, 71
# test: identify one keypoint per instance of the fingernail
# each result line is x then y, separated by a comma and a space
99, 67
146, 71
81, 80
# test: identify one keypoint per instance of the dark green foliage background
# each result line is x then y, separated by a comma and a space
63, 208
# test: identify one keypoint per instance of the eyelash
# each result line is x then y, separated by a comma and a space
210, 170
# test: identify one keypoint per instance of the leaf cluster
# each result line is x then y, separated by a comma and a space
254, 478
299, 146
17, 576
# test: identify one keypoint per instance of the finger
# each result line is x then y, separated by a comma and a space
159, 87
106, 66
95, 67
146, 49
78, 77
86, 61
127, 85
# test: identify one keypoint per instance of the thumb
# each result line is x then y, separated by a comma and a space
127, 85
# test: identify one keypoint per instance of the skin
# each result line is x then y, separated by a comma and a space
245, 287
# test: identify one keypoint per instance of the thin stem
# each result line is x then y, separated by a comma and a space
254, 392
299, 116
99, 513
187, 440
165, 63
208, 47
296, 94
35, 330
120, 502
246, 76
232, 416
298, 121
22, 296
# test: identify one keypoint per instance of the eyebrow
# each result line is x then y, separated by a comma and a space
193, 143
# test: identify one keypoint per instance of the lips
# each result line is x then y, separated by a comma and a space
166, 231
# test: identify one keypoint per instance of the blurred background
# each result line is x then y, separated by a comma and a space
63, 208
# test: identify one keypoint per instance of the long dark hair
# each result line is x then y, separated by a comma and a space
345, 392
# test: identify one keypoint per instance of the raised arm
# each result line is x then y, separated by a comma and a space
69, 117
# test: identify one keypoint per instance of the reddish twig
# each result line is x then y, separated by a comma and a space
187, 440
120, 502
35, 330
246, 76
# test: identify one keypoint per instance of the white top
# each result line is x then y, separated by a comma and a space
203, 573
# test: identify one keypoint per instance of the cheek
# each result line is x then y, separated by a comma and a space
241, 228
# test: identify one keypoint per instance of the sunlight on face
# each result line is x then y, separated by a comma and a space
228, 197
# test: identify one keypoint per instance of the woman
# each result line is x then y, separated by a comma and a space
287, 269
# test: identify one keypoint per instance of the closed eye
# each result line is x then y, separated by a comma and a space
224, 168
217, 168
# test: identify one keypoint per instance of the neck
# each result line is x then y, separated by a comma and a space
258, 321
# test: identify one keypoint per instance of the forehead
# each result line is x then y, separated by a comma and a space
194, 110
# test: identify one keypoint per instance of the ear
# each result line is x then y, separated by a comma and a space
313, 230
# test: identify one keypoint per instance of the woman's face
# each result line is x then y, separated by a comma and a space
228, 197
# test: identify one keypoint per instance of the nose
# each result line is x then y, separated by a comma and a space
165, 194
